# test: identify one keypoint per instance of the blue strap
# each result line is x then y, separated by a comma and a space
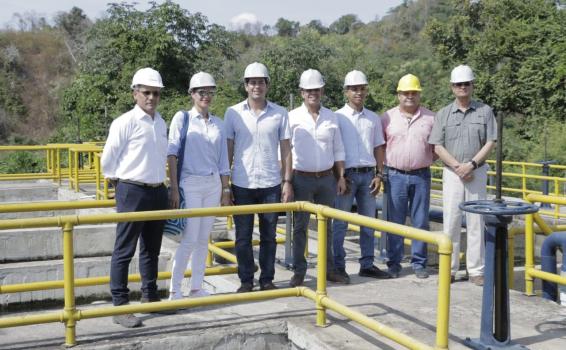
181, 152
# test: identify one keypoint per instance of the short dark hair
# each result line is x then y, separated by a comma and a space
246, 80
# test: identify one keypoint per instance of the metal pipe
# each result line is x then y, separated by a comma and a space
499, 157
69, 283
321, 268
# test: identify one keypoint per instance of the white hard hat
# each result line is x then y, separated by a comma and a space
311, 79
201, 79
147, 77
355, 77
256, 70
462, 74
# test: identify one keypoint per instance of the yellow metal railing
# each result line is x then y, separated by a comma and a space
530, 219
524, 173
71, 314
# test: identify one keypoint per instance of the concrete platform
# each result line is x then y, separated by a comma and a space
407, 304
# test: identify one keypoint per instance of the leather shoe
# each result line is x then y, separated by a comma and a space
337, 278
297, 280
245, 287
477, 280
343, 273
374, 272
421, 273
159, 312
127, 320
267, 286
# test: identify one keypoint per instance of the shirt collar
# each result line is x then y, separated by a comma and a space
456, 109
140, 114
415, 116
352, 111
267, 106
194, 113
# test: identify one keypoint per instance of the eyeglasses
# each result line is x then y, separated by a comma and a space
465, 83
358, 88
205, 93
148, 93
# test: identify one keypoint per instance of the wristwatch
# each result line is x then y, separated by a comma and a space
226, 190
474, 164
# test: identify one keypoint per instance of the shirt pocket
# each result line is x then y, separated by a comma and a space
452, 131
477, 128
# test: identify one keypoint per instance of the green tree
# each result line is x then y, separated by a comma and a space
345, 24
166, 37
286, 27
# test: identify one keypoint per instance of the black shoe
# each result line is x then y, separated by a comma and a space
160, 312
421, 273
267, 286
394, 271
245, 287
127, 320
297, 280
374, 272
338, 277
344, 274
452, 279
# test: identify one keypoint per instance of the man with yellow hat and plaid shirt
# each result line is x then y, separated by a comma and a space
408, 157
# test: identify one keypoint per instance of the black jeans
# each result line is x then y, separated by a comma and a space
131, 198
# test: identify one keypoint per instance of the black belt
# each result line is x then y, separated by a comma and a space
410, 172
314, 173
366, 169
141, 184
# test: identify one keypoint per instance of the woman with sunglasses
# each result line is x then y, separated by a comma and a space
204, 179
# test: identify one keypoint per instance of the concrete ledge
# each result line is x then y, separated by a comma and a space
47, 243
26, 192
52, 270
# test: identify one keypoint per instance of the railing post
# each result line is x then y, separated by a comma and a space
289, 238
443, 304
209, 255
529, 254
511, 259
321, 269
69, 285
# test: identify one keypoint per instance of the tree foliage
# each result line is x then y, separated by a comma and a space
166, 37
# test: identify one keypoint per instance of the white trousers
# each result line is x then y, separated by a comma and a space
455, 191
200, 192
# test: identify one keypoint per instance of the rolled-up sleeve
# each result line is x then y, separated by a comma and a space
339, 152
437, 133
491, 130
284, 130
229, 124
378, 139
113, 148
175, 134
223, 164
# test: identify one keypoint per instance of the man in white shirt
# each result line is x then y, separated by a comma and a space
317, 149
256, 128
364, 145
134, 160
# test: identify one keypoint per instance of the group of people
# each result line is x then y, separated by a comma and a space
260, 154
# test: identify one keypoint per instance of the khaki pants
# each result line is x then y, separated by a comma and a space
455, 191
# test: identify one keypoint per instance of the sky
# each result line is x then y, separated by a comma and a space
228, 13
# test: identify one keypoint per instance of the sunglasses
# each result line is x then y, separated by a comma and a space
147, 93
205, 93
466, 83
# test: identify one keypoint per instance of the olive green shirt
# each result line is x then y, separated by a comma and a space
463, 134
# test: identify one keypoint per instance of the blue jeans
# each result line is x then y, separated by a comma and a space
319, 190
359, 184
408, 193
267, 229
130, 198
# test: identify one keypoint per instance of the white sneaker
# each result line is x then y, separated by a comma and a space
199, 293
175, 296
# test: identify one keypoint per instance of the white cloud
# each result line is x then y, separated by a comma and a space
245, 21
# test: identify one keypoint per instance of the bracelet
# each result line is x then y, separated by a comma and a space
288, 181
379, 175
226, 190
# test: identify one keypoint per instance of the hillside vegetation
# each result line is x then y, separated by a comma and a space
53, 77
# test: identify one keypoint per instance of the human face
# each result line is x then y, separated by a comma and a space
409, 100
312, 97
202, 97
257, 88
147, 98
463, 90
356, 95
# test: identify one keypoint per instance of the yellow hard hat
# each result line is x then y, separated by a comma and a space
409, 82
